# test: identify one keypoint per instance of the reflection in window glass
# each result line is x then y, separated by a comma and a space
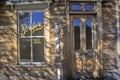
38, 17
88, 24
76, 24
24, 23
25, 50
38, 49
89, 7
31, 26
37, 21
75, 6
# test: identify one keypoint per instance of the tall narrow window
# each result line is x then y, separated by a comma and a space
31, 36
88, 25
76, 24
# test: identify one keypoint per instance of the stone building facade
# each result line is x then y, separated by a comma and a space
59, 40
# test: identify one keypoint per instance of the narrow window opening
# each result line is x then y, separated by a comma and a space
88, 24
76, 24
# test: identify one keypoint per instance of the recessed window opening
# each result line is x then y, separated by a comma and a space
75, 7
31, 36
88, 24
76, 24
89, 7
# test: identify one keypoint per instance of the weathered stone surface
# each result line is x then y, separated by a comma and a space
58, 11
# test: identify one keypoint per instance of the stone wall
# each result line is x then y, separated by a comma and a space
9, 67
109, 37
11, 70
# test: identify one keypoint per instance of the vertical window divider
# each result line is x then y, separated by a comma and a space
82, 6
31, 37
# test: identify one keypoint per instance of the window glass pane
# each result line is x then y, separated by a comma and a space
25, 50
88, 24
31, 49
89, 7
75, 6
37, 22
76, 24
38, 49
24, 23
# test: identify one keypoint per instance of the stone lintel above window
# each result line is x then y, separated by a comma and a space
30, 5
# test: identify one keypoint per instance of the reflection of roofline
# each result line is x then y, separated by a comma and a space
26, 3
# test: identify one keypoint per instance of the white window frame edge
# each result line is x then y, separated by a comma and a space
27, 63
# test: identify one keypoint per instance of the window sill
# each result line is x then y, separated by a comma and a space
83, 12
42, 64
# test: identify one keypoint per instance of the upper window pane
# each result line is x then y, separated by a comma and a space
31, 23
38, 17
24, 23
75, 6
88, 24
89, 7
37, 22
76, 24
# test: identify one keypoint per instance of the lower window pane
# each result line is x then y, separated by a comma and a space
25, 50
38, 49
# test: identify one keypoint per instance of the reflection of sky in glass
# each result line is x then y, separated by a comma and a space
24, 18
88, 22
89, 7
76, 23
75, 7
37, 17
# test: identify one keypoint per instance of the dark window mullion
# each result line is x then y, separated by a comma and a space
83, 35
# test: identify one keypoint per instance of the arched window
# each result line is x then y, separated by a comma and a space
76, 24
88, 24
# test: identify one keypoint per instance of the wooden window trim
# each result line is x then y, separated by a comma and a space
92, 17
31, 37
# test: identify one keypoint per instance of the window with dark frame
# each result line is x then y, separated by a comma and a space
80, 7
76, 25
88, 25
83, 22
31, 36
